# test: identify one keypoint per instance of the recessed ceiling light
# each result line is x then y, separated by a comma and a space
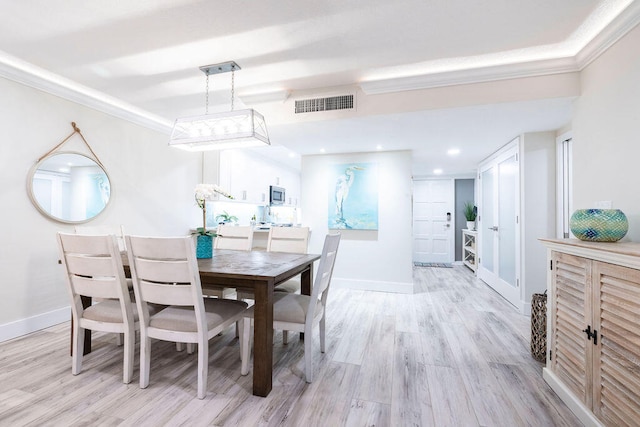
292, 155
378, 147
437, 171
453, 151
322, 150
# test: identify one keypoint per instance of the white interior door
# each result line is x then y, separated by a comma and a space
433, 219
498, 229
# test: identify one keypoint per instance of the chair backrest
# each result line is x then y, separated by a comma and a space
234, 237
288, 239
93, 267
165, 271
99, 230
324, 273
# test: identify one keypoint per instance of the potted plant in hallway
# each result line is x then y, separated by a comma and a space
470, 213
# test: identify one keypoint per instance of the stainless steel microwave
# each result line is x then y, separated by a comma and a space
276, 195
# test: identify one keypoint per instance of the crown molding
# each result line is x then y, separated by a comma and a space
28, 74
470, 76
621, 25
20, 71
614, 31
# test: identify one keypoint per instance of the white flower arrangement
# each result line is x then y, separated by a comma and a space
204, 192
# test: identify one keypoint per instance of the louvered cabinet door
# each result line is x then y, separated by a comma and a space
571, 355
616, 361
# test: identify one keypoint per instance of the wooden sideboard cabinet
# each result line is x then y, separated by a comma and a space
593, 317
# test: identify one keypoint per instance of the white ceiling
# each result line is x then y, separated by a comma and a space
146, 53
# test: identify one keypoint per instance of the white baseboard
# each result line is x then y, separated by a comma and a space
525, 308
31, 324
370, 285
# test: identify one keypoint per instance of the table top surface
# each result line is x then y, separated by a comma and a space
253, 264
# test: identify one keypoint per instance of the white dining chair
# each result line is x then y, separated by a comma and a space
233, 237
300, 313
165, 271
285, 239
93, 268
100, 230
292, 240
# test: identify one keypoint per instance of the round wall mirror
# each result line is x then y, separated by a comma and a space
69, 187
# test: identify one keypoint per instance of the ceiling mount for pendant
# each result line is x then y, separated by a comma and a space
231, 129
224, 67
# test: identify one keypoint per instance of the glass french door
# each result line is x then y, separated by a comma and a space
498, 230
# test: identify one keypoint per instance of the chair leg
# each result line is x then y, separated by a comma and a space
308, 355
129, 350
285, 337
119, 339
179, 346
322, 327
145, 361
203, 368
77, 347
191, 347
240, 324
245, 347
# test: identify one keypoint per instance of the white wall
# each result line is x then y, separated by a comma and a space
152, 193
537, 210
606, 128
376, 260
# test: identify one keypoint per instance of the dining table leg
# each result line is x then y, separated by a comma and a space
263, 339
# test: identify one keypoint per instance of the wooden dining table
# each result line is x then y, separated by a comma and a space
259, 272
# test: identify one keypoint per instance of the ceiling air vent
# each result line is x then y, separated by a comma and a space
342, 102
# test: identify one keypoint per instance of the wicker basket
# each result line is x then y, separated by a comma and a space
539, 327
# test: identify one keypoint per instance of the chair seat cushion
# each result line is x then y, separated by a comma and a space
183, 319
291, 308
108, 311
291, 286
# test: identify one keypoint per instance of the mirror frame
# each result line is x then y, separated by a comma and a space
32, 196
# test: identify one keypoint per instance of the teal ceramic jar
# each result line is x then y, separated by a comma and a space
599, 225
204, 246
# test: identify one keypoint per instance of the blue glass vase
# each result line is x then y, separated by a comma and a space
599, 225
204, 246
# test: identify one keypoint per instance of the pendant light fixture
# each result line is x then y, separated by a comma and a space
218, 131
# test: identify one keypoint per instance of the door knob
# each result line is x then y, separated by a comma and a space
494, 228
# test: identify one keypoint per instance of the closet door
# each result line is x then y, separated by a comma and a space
569, 314
616, 360
498, 225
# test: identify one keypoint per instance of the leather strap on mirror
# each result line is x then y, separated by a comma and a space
76, 129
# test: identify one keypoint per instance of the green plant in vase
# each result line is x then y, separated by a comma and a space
226, 217
470, 213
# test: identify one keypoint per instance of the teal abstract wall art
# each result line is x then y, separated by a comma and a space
353, 196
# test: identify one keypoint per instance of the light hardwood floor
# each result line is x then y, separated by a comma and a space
453, 354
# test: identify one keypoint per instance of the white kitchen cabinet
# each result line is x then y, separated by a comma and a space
248, 177
593, 362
